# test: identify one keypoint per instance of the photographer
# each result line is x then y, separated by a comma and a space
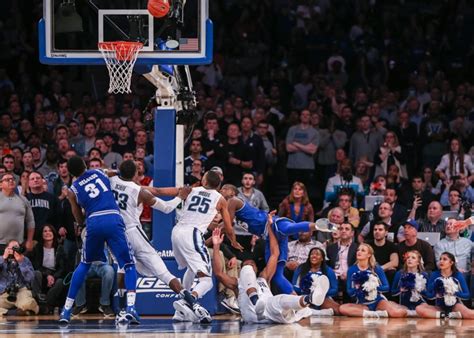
16, 273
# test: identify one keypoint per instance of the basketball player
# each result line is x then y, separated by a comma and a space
131, 198
257, 224
92, 192
202, 205
256, 302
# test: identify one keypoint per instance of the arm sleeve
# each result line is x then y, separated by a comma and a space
396, 284
438, 250
263, 202
384, 286
296, 280
464, 292
290, 136
443, 165
333, 285
350, 288
330, 194
166, 206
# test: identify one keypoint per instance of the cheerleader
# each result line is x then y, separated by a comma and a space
366, 281
447, 286
303, 279
410, 282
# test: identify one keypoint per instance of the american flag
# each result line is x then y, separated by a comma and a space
189, 45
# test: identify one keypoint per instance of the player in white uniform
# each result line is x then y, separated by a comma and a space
201, 206
130, 198
256, 302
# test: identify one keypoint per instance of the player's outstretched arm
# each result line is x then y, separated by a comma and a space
148, 199
222, 207
271, 266
168, 191
75, 208
217, 268
234, 204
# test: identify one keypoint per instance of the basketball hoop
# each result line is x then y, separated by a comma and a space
120, 57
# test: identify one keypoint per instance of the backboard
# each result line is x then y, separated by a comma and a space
71, 29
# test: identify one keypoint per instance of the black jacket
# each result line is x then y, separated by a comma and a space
332, 253
60, 269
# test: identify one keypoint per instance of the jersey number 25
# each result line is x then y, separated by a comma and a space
199, 204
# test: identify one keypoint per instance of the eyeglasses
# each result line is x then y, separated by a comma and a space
10, 179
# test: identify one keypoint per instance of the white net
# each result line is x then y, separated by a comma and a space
120, 57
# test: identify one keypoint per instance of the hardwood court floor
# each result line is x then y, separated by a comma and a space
230, 326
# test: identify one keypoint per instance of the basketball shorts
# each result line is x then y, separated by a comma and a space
190, 250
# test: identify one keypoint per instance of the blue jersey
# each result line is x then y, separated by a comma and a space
256, 219
93, 192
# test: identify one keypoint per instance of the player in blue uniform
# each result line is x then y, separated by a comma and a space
256, 221
91, 191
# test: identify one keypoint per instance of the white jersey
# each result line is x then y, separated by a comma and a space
199, 209
247, 309
275, 311
126, 194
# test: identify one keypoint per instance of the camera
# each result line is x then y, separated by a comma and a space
12, 269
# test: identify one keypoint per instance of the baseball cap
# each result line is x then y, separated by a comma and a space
413, 223
217, 170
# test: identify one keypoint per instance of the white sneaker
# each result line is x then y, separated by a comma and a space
382, 314
183, 312
455, 315
319, 289
202, 314
322, 313
370, 314
412, 314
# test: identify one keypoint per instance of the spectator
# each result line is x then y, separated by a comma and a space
298, 251
432, 183
195, 176
342, 255
407, 133
336, 217
400, 212
390, 153
250, 194
461, 248
402, 185
461, 184
385, 251
297, 206
21, 272
384, 216
343, 179
268, 143
8, 162
15, 211
27, 161
316, 264
302, 142
238, 157
195, 150
454, 200
50, 163
255, 146
365, 142
421, 196
49, 261
412, 242
112, 160
90, 132
455, 162
433, 221
331, 140
76, 139
46, 207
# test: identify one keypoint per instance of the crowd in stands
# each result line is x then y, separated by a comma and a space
363, 111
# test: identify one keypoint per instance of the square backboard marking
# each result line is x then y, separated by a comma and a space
105, 12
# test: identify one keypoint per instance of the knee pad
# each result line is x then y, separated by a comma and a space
248, 278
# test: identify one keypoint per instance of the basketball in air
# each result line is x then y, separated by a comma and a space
158, 8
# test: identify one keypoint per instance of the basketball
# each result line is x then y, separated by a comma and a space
158, 8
